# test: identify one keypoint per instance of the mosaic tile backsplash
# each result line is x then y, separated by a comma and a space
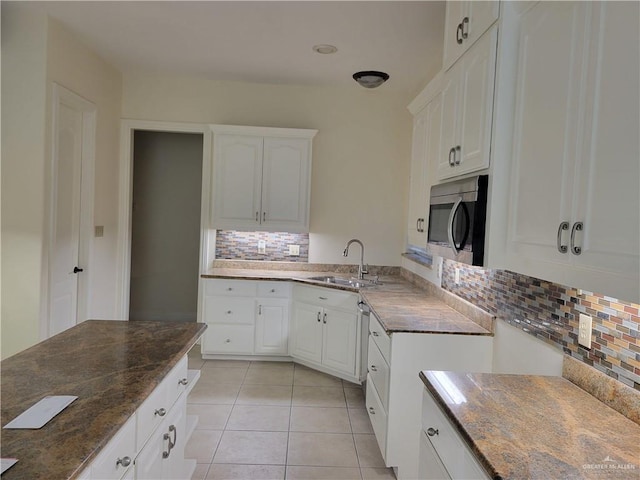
550, 312
235, 245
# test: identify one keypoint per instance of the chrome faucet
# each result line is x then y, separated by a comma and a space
362, 268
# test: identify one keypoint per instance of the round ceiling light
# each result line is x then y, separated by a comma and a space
370, 79
325, 49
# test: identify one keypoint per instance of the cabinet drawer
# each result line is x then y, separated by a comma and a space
177, 381
274, 289
378, 417
229, 310
380, 337
151, 413
326, 297
229, 339
117, 457
379, 373
235, 288
455, 455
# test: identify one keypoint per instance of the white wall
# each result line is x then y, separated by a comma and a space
37, 51
24, 41
360, 155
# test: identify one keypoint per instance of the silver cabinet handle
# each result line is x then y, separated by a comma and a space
459, 155
167, 436
374, 368
375, 334
322, 298
124, 461
372, 411
257, 216
161, 412
324, 317
459, 34
418, 224
264, 216
183, 381
452, 151
259, 309
432, 432
318, 316
563, 226
465, 31
577, 227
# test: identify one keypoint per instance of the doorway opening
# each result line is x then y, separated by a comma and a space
165, 225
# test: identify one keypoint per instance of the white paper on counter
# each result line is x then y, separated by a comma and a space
39, 414
6, 464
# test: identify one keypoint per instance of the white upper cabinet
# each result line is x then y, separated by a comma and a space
467, 108
262, 178
465, 23
574, 190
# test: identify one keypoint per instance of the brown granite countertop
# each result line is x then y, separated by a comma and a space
111, 366
399, 305
527, 426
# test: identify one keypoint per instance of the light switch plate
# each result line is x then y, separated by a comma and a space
99, 231
262, 246
584, 330
294, 250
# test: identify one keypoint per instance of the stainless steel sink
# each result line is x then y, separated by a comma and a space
347, 282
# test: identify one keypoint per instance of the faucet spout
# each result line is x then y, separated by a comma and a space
362, 268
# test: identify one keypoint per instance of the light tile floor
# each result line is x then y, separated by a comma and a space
269, 420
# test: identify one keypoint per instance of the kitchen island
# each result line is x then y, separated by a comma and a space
111, 366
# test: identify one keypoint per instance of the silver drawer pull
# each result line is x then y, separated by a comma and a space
161, 412
229, 289
124, 461
322, 298
372, 411
229, 312
228, 340
183, 381
373, 368
432, 432
273, 290
375, 334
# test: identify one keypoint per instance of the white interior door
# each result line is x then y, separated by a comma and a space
73, 124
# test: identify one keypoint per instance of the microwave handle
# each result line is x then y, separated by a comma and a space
452, 216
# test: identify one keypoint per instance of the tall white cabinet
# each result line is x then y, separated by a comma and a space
262, 178
575, 169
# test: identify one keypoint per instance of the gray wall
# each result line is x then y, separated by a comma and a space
165, 242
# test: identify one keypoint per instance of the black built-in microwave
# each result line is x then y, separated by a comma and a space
457, 218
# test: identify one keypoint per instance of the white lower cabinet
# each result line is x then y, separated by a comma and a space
150, 446
443, 453
325, 330
394, 390
246, 317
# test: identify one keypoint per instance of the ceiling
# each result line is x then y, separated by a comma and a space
264, 41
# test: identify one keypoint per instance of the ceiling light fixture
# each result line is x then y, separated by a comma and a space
370, 79
325, 49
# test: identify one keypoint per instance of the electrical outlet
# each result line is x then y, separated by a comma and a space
294, 250
584, 331
457, 276
262, 246
99, 231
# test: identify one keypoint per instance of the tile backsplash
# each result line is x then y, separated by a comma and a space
550, 312
236, 245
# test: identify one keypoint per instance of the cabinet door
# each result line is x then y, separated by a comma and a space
478, 77
548, 102
285, 183
481, 16
451, 98
174, 439
238, 178
272, 327
307, 332
608, 194
417, 187
339, 340
452, 48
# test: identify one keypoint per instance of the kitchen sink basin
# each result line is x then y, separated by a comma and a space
347, 282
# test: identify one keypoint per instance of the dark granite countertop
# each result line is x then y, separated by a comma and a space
399, 305
527, 426
111, 366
